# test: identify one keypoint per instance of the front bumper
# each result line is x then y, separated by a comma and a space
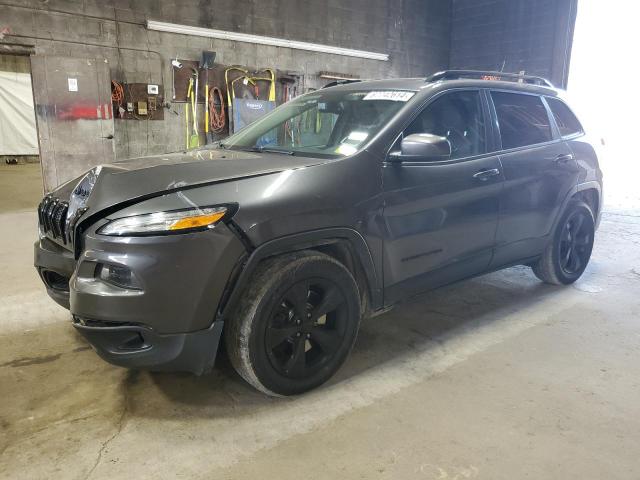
137, 346
54, 263
167, 321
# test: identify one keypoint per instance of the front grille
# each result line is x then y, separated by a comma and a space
52, 215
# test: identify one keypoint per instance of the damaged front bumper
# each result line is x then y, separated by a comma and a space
166, 321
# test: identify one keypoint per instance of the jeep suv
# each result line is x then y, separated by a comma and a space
334, 207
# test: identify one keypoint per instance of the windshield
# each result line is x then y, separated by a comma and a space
322, 123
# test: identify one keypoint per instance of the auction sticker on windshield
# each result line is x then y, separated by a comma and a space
392, 95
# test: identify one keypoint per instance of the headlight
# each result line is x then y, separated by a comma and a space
165, 222
81, 192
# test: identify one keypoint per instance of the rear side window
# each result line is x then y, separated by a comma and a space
567, 122
523, 119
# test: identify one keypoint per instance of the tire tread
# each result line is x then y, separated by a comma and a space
238, 327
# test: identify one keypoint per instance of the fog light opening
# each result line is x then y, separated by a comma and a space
55, 281
117, 275
134, 342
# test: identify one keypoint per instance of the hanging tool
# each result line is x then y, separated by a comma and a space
117, 97
226, 80
272, 84
196, 76
174, 64
245, 80
230, 92
206, 64
287, 88
272, 88
207, 138
248, 80
187, 106
193, 139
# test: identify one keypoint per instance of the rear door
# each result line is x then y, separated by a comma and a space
539, 169
571, 131
440, 218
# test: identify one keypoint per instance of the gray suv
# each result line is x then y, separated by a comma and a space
334, 207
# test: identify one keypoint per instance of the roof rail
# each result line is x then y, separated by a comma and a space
341, 82
488, 75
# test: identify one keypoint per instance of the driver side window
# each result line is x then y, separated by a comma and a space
458, 117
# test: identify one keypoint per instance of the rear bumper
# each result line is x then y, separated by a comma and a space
137, 346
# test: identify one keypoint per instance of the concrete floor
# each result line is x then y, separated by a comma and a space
501, 377
20, 186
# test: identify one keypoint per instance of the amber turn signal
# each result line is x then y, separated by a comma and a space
197, 221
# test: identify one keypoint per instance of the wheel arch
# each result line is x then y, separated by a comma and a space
344, 244
588, 192
592, 196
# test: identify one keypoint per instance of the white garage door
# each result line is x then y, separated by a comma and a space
17, 120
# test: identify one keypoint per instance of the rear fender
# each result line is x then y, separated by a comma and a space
577, 189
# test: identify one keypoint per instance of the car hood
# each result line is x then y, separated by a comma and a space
137, 179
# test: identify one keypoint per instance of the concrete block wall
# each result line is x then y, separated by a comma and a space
415, 33
513, 35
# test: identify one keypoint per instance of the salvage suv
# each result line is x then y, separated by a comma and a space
334, 207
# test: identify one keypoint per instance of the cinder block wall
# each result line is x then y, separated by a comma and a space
415, 33
514, 35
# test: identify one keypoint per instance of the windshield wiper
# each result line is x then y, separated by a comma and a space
271, 150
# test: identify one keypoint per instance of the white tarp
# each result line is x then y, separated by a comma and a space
18, 134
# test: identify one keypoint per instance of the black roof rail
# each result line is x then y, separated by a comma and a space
341, 82
488, 75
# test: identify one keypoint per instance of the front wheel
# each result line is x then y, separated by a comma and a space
295, 324
568, 253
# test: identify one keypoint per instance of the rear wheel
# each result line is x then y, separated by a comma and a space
295, 325
568, 253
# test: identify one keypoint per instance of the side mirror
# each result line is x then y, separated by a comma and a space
422, 147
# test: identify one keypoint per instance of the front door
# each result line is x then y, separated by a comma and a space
73, 115
440, 218
539, 171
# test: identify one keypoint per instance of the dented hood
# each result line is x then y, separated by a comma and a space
141, 178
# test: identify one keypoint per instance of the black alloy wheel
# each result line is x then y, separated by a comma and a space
295, 324
576, 241
306, 328
568, 252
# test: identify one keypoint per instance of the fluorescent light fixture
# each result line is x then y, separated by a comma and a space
337, 76
259, 39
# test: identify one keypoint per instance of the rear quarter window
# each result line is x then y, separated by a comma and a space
522, 119
567, 122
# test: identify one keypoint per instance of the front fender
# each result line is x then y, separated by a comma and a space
302, 241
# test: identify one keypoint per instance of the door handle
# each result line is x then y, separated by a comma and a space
109, 137
563, 158
486, 174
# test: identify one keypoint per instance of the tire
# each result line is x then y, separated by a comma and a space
295, 325
568, 253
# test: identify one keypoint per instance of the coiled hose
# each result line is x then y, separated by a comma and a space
218, 119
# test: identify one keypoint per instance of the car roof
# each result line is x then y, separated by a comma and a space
422, 83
